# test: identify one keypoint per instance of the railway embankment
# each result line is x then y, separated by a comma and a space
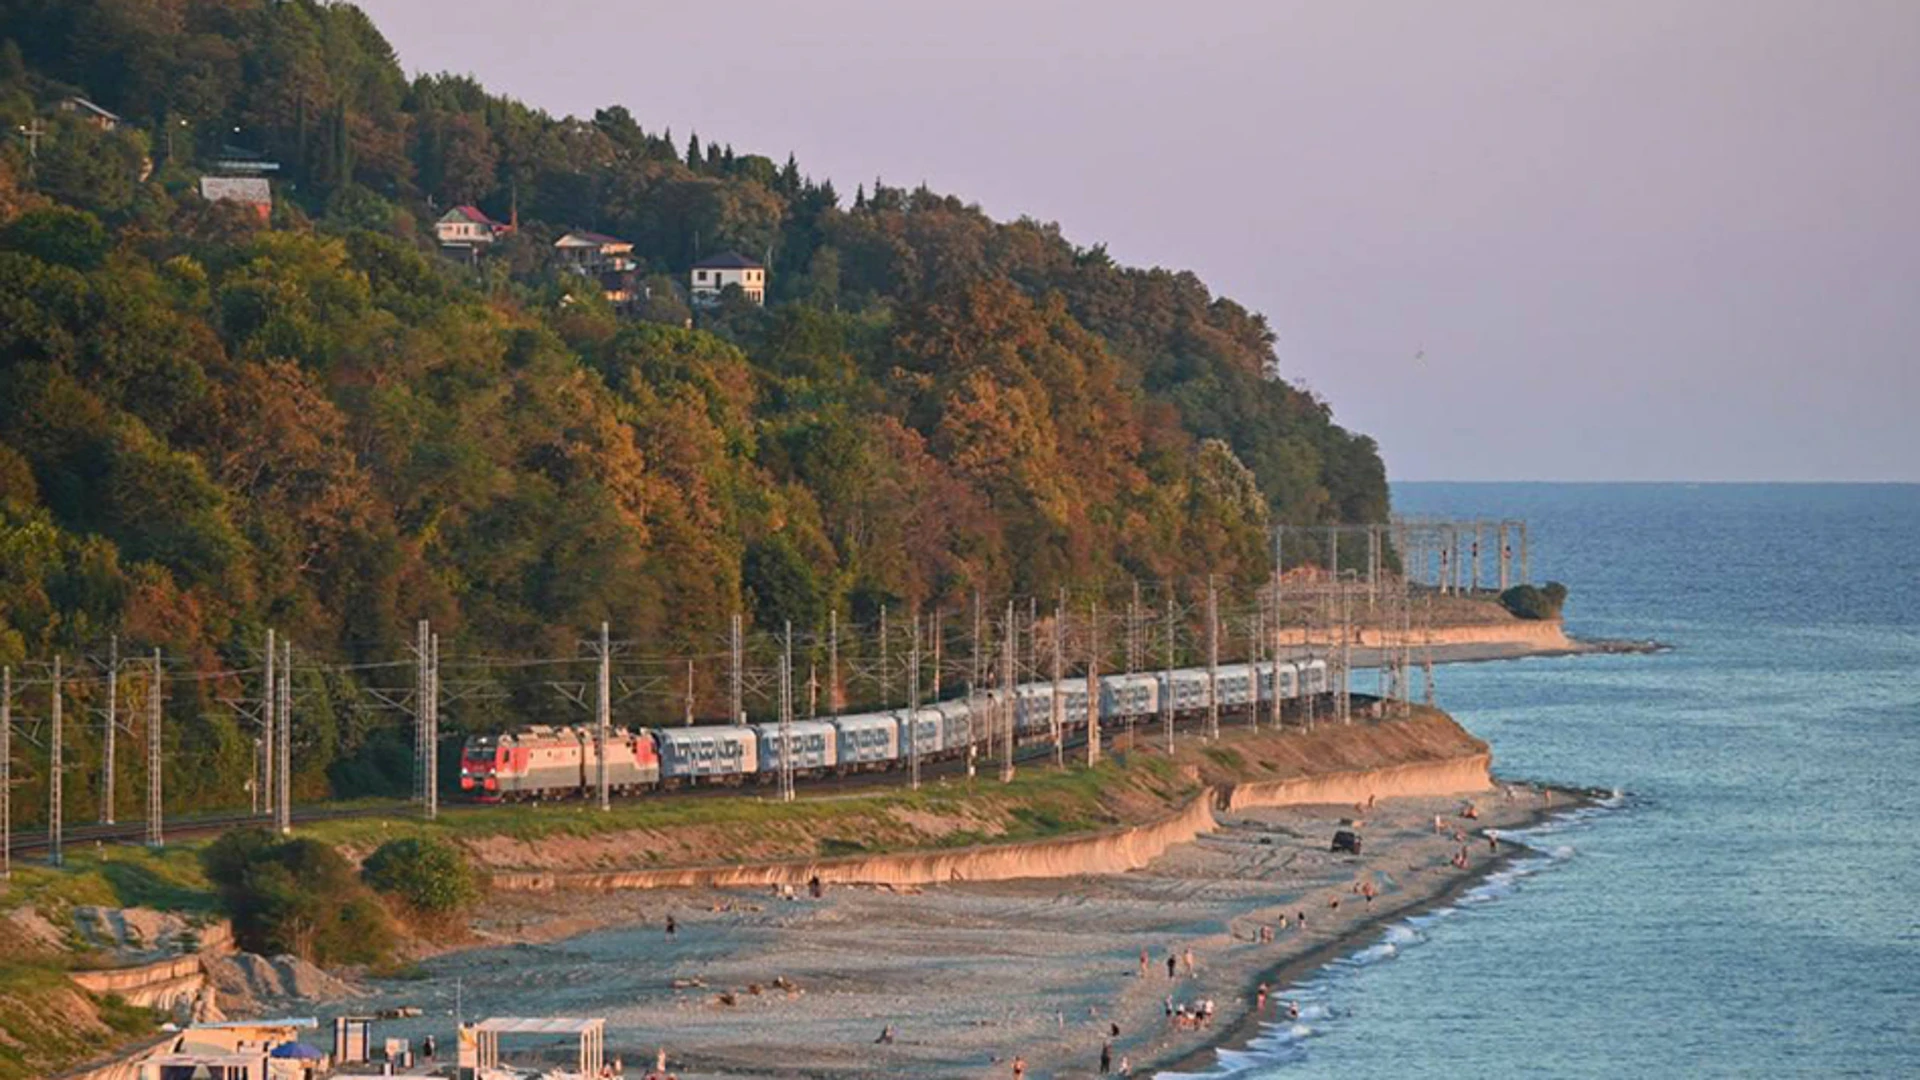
1144, 802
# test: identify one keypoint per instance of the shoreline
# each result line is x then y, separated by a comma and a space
971, 973
1240, 1033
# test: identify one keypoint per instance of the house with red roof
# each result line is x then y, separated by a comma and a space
467, 229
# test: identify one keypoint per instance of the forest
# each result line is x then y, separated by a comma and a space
213, 424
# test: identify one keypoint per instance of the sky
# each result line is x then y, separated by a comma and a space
1538, 239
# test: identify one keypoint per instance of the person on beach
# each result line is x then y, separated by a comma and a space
1190, 973
886, 1035
1260, 999
1019, 1068
1143, 962
1369, 892
1169, 1006
1493, 840
1173, 965
427, 1048
1301, 918
1293, 1010
1106, 1058
1113, 1030
672, 927
1126, 1067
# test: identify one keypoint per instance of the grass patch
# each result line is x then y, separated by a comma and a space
833, 845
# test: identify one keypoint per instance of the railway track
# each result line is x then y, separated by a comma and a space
1035, 750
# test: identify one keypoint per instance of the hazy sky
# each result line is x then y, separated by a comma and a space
1634, 240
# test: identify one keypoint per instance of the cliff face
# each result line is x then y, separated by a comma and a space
1427, 754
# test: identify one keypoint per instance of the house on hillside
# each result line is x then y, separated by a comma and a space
89, 112
716, 272
607, 260
466, 230
249, 191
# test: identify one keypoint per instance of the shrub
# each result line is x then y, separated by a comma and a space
1528, 602
429, 877
296, 896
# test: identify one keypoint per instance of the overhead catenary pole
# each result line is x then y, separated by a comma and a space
939, 642
1213, 660
886, 681
603, 718
155, 834
1009, 650
6, 774
54, 771
1256, 637
786, 714
283, 800
1056, 704
268, 744
422, 677
1133, 650
689, 710
913, 706
1166, 680
1093, 684
1526, 575
106, 742
1278, 623
833, 663
736, 707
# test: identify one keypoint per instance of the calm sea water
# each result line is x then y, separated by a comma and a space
1752, 906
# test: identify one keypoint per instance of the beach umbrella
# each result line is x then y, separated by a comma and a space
298, 1051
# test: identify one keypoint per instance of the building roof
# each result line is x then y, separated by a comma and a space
727, 260
585, 238
550, 1025
89, 106
471, 213
245, 189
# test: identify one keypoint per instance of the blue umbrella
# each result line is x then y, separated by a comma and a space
298, 1050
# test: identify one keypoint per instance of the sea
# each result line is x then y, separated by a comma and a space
1749, 903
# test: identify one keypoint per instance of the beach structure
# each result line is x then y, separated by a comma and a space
479, 1049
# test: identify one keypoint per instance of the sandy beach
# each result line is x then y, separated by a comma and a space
967, 975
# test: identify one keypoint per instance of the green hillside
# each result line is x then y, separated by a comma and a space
211, 424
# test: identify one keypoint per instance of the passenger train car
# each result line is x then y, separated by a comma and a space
543, 762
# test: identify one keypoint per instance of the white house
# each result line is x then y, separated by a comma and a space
716, 272
467, 227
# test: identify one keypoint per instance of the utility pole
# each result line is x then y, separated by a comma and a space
736, 708
913, 705
283, 802
886, 681
6, 774
978, 676
269, 747
1426, 652
1373, 567
1093, 684
53, 776
603, 717
1506, 558
106, 744
833, 662
1166, 695
1526, 576
1057, 705
689, 718
155, 838
1213, 660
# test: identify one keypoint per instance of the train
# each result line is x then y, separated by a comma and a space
551, 762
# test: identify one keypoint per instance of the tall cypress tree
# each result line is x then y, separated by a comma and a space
693, 151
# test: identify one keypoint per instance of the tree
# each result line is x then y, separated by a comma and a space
429, 877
